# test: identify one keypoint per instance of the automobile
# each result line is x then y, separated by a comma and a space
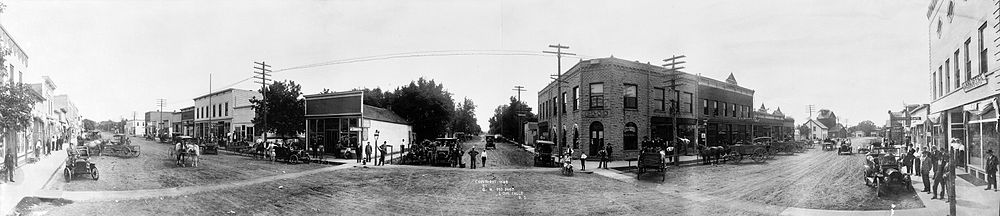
209, 147
543, 153
491, 142
882, 170
845, 148
445, 150
828, 145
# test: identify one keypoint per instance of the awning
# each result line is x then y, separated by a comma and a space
933, 119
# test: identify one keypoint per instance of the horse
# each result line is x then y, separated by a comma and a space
188, 153
710, 153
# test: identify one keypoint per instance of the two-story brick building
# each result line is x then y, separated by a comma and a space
614, 102
962, 72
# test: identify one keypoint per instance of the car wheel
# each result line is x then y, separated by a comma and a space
94, 174
68, 174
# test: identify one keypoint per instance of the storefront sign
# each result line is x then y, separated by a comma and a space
974, 83
595, 114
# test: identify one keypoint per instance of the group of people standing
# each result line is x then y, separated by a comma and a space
933, 166
382, 150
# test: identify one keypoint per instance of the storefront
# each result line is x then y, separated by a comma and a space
340, 121
980, 135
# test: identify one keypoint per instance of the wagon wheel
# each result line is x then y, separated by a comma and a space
878, 187
760, 155
93, 173
68, 174
293, 158
735, 156
770, 154
306, 159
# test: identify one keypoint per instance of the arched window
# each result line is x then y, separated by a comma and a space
596, 137
631, 137
576, 138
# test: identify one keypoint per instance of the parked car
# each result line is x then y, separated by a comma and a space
845, 148
543, 153
491, 142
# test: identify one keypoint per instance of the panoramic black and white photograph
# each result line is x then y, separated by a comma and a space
499, 107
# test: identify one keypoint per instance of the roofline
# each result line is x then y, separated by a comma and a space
334, 94
219, 92
15, 43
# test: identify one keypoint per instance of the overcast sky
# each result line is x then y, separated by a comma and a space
858, 58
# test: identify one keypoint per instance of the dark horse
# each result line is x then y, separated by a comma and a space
710, 153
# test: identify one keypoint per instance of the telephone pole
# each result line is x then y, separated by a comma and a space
559, 98
810, 111
675, 103
160, 103
262, 70
518, 114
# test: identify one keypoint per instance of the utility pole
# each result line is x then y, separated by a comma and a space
675, 104
517, 112
210, 124
558, 77
262, 70
158, 128
810, 111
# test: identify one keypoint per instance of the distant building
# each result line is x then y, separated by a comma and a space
530, 132
135, 128
161, 123
775, 124
340, 120
187, 121
816, 130
225, 113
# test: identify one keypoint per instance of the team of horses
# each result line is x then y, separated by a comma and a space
186, 154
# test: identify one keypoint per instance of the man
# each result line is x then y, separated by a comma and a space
991, 170
940, 169
583, 161
908, 161
357, 153
484, 157
608, 147
382, 151
472, 157
916, 160
925, 169
8, 163
603, 154
368, 153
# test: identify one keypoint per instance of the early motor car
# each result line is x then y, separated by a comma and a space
882, 171
491, 142
845, 148
78, 162
544, 153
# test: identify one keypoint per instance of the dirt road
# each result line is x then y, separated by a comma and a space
505, 156
816, 179
155, 169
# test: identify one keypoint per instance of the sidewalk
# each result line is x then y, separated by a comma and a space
28, 179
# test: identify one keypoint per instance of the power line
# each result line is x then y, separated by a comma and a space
421, 54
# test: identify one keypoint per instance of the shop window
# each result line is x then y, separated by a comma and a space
631, 137
990, 138
975, 143
631, 99
597, 95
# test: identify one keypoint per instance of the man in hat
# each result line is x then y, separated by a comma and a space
991, 170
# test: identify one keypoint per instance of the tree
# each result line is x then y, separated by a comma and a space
15, 107
465, 118
865, 126
89, 124
506, 122
427, 105
283, 109
805, 131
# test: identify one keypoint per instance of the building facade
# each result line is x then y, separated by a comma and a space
220, 114
610, 102
186, 127
963, 65
72, 122
816, 130
341, 120
774, 124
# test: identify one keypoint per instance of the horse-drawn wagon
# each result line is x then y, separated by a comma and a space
757, 153
651, 160
186, 152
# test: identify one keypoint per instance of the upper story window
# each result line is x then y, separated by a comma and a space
226, 108
597, 95
631, 99
968, 61
563, 102
715, 108
940, 24
951, 10
704, 107
576, 97
659, 95
686, 102
983, 65
947, 76
725, 109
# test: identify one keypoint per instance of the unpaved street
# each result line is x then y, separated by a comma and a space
155, 169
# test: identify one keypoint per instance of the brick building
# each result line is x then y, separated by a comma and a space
614, 102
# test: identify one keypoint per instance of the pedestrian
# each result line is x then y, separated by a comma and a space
472, 157
368, 153
381, 153
583, 161
608, 147
603, 154
8, 163
991, 170
484, 157
941, 168
925, 169
357, 153
908, 161
916, 160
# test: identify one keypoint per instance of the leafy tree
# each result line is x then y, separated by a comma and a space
805, 131
89, 124
15, 107
378, 98
283, 109
507, 123
427, 105
464, 119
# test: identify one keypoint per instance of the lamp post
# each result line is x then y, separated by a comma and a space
376, 142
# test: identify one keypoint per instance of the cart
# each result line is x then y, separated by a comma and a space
757, 153
651, 160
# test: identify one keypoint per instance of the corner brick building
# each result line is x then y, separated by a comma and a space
615, 102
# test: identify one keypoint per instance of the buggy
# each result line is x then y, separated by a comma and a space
881, 170
121, 146
757, 153
651, 159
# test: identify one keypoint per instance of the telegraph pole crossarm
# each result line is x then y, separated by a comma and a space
262, 69
558, 76
675, 74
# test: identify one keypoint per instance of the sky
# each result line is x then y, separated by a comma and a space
858, 58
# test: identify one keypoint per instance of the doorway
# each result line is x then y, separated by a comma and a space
596, 137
